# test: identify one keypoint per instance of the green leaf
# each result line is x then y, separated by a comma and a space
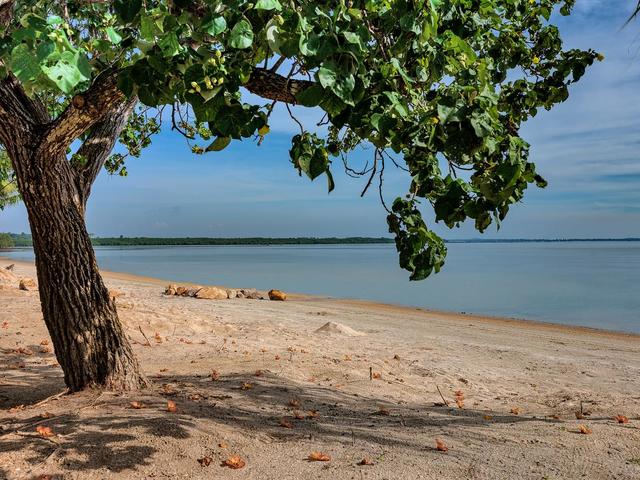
127, 9
215, 26
310, 97
327, 76
268, 5
71, 70
170, 45
241, 35
218, 144
114, 37
24, 64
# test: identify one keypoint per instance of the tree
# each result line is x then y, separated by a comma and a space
437, 87
8, 191
6, 241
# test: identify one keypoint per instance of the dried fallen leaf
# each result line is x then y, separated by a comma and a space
488, 417
45, 349
441, 446
23, 351
157, 338
44, 476
47, 415
460, 402
234, 462
579, 415
365, 461
205, 461
215, 375
5, 324
384, 411
247, 386
313, 414
44, 431
459, 393
277, 357
259, 373
621, 419
515, 410
318, 457
298, 415
137, 405
294, 402
376, 375
223, 445
285, 423
44, 342
347, 358
171, 406
584, 430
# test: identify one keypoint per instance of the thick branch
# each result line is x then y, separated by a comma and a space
268, 84
84, 111
98, 146
19, 113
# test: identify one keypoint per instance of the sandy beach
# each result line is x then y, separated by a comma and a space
265, 381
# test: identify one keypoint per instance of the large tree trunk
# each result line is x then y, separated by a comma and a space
88, 338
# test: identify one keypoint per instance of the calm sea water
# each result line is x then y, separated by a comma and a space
595, 284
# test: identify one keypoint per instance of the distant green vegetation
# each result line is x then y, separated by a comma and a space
24, 240
6, 241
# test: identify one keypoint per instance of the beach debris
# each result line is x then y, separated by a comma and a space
285, 423
294, 402
28, 284
223, 445
235, 462
113, 293
584, 429
211, 293
298, 415
515, 410
579, 415
136, 405
459, 395
621, 419
488, 417
45, 349
376, 376
205, 461
23, 351
313, 414
215, 375
383, 411
45, 432
10, 267
318, 457
441, 446
171, 406
277, 295
333, 328
366, 461
246, 386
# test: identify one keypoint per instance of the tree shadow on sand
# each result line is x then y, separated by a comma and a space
103, 433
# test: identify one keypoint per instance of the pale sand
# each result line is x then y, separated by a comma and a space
543, 370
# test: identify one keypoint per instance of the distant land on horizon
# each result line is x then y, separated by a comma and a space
24, 240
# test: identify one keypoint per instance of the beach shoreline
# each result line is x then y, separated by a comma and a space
370, 304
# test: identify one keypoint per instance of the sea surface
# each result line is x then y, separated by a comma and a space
594, 284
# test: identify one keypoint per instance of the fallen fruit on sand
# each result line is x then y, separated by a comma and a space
277, 295
234, 462
318, 457
338, 329
441, 446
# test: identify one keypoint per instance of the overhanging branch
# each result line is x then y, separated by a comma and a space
268, 84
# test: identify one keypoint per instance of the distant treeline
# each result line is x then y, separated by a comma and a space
24, 240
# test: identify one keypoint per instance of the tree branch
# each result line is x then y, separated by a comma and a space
19, 113
84, 111
98, 145
270, 85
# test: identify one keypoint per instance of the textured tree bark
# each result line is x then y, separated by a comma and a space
88, 338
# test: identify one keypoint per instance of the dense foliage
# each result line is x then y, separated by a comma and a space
8, 190
438, 87
6, 241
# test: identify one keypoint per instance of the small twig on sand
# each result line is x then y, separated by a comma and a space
442, 396
371, 373
145, 337
48, 399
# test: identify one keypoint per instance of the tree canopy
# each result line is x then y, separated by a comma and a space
438, 87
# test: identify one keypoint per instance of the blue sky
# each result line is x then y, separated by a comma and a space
587, 148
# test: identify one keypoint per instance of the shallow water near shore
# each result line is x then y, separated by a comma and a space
593, 284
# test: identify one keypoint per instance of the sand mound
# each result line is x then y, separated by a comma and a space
339, 329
